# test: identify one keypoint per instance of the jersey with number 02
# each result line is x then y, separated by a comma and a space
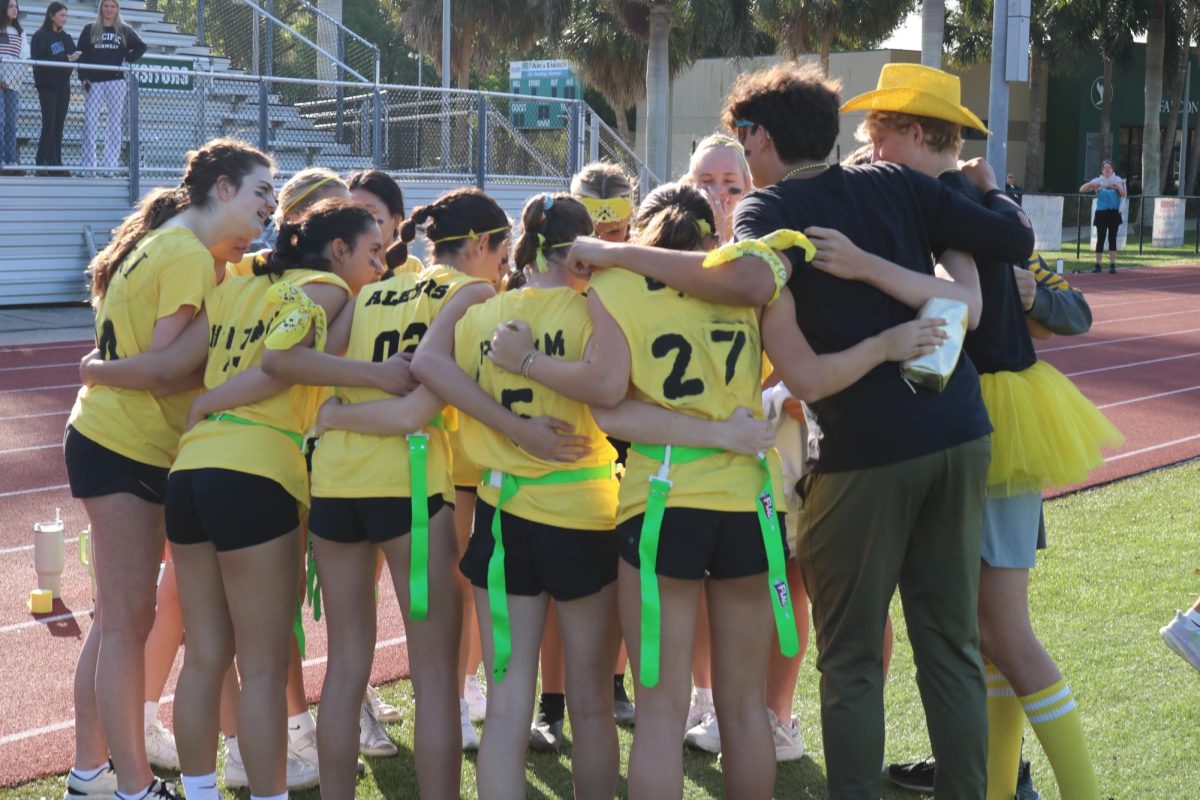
698, 358
389, 317
561, 328
167, 270
239, 319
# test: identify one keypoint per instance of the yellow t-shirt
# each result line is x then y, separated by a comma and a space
695, 357
245, 267
413, 266
240, 317
389, 317
561, 327
167, 270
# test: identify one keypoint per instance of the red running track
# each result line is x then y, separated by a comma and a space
1140, 363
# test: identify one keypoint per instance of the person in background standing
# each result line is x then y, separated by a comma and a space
108, 42
13, 44
1012, 189
1110, 188
52, 43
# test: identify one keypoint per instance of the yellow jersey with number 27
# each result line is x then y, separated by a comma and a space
698, 358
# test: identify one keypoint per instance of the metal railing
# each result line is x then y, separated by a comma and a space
1063, 222
171, 106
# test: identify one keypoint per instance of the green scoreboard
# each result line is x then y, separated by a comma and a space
550, 79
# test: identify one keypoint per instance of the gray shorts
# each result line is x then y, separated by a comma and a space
1011, 531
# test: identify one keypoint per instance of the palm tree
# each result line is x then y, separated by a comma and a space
817, 26
1177, 50
1151, 134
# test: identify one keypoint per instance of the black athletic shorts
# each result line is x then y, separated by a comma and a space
95, 471
228, 508
350, 520
695, 542
566, 563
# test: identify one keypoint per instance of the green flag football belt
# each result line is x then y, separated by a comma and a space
418, 564
497, 587
656, 505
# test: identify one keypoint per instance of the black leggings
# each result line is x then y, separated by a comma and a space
1107, 223
54, 102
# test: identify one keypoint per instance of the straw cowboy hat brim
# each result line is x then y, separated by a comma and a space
919, 103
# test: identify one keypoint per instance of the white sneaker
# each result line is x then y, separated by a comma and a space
700, 706
705, 736
302, 746
476, 699
470, 736
373, 739
160, 747
300, 774
101, 787
383, 710
789, 744
1183, 636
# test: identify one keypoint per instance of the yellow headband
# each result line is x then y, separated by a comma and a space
704, 228
539, 257
288, 208
609, 209
470, 234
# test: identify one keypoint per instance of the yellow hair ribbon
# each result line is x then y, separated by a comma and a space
539, 257
470, 234
704, 228
764, 248
608, 209
288, 208
297, 313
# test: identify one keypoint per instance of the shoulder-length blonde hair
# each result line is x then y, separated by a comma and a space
98, 25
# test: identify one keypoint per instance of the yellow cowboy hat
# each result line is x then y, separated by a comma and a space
918, 90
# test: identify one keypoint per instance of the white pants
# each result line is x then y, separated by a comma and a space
111, 96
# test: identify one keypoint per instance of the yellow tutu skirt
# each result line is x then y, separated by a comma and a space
1047, 434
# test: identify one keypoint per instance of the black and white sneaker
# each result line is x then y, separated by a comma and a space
162, 790
101, 787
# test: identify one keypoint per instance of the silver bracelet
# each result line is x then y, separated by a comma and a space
528, 362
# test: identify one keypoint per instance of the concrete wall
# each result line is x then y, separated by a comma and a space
698, 92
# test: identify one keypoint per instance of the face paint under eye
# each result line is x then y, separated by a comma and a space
735, 190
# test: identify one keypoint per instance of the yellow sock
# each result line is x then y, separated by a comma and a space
1055, 720
1006, 723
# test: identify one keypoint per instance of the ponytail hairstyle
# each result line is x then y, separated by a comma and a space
301, 243
384, 186
305, 189
549, 222
455, 218
676, 217
218, 158
601, 181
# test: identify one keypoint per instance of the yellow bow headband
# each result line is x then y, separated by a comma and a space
609, 209
470, 234
539, 257
288, 208
704, 228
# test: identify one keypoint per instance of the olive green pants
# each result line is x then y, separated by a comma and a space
916, 525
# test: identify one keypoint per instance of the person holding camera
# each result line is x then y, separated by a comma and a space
1110, 188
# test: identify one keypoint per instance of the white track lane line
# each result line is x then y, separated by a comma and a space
27, 449
1138, 452
24, 548
40, 366
1163, 296
40, 388
32, 416
1149, 397
1146, 316
67, 724
25, 348
33, 623
1131, 364
1097, 344
35, 491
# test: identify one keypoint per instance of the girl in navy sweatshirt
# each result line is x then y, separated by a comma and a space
107, 42
52, 43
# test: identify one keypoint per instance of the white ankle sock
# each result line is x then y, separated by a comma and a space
232, 748
135, 795
283, 796
90, 774
1193, 616
150, 712
704, 695
200, 787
